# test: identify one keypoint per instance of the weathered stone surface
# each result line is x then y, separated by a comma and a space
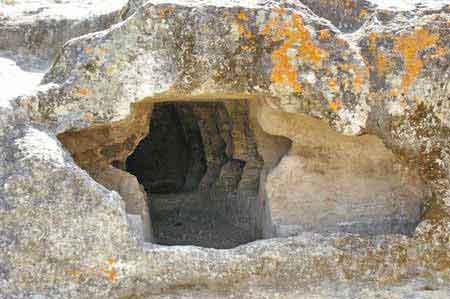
63, 235
132, 193
99, 146
40, 28
329, 182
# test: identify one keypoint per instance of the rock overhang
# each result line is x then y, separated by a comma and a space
269, 52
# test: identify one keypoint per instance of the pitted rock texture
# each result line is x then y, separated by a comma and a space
40, 28
95, 148
63, 235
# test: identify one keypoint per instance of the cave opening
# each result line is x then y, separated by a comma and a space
222, 173
199, 166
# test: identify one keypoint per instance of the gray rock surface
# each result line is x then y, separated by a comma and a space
63, 235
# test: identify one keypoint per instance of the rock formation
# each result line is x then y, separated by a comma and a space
318, 131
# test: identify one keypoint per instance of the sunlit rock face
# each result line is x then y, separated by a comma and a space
329, 183
40, 28
336, 131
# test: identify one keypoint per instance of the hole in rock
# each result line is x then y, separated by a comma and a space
227, 172
200, 168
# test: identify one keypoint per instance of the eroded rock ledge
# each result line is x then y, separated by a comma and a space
64, 235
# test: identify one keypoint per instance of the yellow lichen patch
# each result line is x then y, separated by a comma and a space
358, 79
283, 71
382, 64
335, 105
244, 32
438, 52
362, 13
409, 46
341, 42
83, 91
332, 84
242, 16
280, 10
393, 92
297, 46
247, 48
271, 23
324, 34
373, 36
111, 274
163, 12
101, 50
75, 275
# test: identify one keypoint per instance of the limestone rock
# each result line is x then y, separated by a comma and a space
41, 27
133, 194
308, 74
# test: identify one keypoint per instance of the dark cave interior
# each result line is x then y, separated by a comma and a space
196, 190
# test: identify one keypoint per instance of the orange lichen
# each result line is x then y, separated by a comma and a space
440, 52
349, 3
362, 13
382, 64
373, 42
88, 50
242, 16
271, 23
332, 84
111, 274
244, 32
324, 34
341, 42
358, 79
163, 12
248, 48
335, 105
280, 10
83, 91
73, 273
295, 37
409, 46
394, 92
108, 271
